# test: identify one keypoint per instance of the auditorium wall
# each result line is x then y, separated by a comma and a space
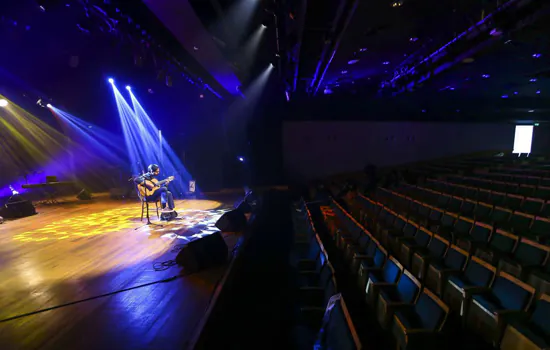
316, 149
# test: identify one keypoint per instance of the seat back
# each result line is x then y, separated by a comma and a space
479, 273
410, 229
448, 220
408, 287
455, 258
532, 206
539, 317
483, 210
521, 221
391, 271
337, 330
326, 274
399, 223
463, 226
530, 253
431, 310
512, 293
422, 237
500, 215
380, 256
540, 227
438, 246
503, 241
481, 232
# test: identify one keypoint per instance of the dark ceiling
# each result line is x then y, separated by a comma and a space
344, 59
377, 63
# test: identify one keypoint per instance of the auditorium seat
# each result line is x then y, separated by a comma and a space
489, 310
527, 256
540, 229
540, 278
392, 297
419, 326
381, 277
527, 190
532, 206
514, 201
479, 235
520, 223
468, 208
395, 238
306, 254
408, 247
483, 212
337, 330
366, 265
435, 251
477, 277
366, 254
500, 216
529, 332
542, 192
438, 271
501, 244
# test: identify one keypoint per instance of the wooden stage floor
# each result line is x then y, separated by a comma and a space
80, 250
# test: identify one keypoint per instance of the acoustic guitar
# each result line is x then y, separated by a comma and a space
149, 187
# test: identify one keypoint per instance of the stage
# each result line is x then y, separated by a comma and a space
80, 250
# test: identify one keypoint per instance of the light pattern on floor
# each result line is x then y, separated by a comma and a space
191, 224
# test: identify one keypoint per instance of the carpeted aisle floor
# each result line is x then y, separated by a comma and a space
258, 310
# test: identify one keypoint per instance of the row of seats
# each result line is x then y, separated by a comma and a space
484, 297
519, 256
414, 314
529, 205
515, 178
522, 171
323, 321
517, 222
522, 189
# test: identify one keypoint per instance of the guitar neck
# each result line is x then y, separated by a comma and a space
163, 182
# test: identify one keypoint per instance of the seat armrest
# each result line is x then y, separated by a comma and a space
308, 272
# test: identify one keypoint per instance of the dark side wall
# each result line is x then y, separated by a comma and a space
317, 149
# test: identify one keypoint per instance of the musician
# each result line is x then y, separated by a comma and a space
165, 195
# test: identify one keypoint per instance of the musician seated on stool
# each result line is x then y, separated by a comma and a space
149, 180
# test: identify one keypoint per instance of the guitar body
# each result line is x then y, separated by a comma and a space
149, 187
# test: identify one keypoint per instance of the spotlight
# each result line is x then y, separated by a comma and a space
271, 65
264, 26
241, 159
49, 105
111, 80
128, 87
3, 103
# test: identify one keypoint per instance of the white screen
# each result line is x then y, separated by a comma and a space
523, 139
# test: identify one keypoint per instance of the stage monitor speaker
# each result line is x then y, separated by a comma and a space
84, 195
17, 207
232, 221
203, 253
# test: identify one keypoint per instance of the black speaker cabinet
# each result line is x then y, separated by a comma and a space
84, 195
232, 221
203, 253
17, 207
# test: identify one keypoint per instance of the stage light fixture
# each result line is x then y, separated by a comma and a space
128, 87
3, 103
49, 105
111, 80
